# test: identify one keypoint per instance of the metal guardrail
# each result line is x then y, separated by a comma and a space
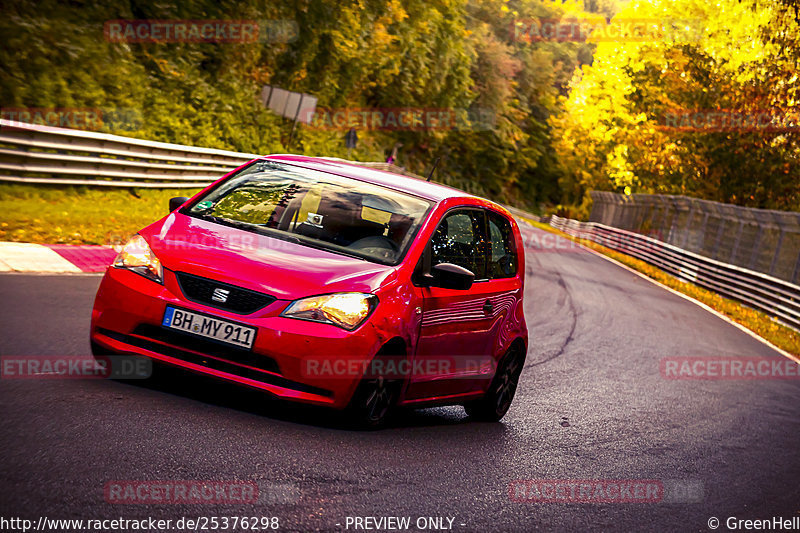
762, 240
32, 153
771, 295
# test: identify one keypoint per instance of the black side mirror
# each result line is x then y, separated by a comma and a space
450, 276
175, 203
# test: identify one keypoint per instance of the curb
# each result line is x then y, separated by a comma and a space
55, 258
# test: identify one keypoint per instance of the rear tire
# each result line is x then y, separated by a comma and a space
495, 403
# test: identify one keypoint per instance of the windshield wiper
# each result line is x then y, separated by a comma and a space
229, 222
328, 247
261, 229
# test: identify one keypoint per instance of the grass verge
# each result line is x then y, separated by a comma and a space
756, 321
79, 215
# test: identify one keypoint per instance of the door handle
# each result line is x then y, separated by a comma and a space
488, 307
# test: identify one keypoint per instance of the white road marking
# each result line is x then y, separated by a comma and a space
698, 303
28, 257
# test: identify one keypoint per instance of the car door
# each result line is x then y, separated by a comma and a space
506, 285
457, 326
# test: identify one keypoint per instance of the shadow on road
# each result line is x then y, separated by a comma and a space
211, 391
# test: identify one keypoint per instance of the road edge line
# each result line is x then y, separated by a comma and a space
696, 302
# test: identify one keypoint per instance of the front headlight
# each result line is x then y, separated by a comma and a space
136, 255
347, 310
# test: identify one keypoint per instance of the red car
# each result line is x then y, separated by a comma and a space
327, 283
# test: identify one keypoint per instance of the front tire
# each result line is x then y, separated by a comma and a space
495, 403
97, 350
105, 357
373, 401
377, 393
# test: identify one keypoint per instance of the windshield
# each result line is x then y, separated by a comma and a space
317, 209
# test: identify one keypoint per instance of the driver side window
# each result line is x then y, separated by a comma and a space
460, 239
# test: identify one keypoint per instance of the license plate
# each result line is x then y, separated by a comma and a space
209, 327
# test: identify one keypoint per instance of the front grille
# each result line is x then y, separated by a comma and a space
229, 367
239, 300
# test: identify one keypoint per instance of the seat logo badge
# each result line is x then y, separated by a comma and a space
220, 295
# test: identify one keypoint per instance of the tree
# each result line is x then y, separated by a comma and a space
641, 117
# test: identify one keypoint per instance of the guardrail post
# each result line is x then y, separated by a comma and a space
777, 253
756, 247
722, 222
701, 238
653, 213
665, 206
688, 224
796, 273
735, 248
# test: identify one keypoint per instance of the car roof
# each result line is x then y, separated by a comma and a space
424, 189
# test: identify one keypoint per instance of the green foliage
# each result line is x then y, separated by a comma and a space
540, 123
55, 55
442, 54
619, 130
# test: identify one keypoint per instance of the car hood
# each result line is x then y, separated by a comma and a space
283, 269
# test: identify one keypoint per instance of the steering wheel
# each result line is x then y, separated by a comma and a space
376, 245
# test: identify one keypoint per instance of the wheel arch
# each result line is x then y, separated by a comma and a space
394, 346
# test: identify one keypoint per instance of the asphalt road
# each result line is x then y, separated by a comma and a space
592, 405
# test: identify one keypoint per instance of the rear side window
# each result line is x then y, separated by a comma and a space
459, 239
503, 248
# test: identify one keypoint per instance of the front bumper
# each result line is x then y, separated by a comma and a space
283, 361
